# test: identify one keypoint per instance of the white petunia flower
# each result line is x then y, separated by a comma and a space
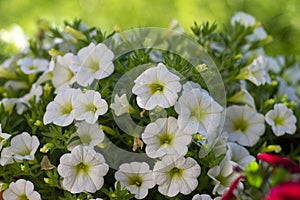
63, 76
176, 175
89, 135
3, 137
121, 105
238, 155
60, 111
163, 137
88, 106
156, 86
244, 97
204, 197
282, 120
21, 189
255, 72
29, 66
82, 170
244, 125
22, 146
223, 176
198, 112
95, 63
136, 177
243, 19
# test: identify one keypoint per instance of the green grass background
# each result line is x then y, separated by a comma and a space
280, 18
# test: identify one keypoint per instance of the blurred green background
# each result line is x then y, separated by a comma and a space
280, 18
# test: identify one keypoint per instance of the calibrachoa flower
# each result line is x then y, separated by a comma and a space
223, 176
95, 63
89, 135
88, 106
238, 154
176, 175
198, 112
284, 191
243, 18
136, 177
156, 86
255, 72
63, 76
3, 137
82, 170
244, 125
279, 161
35, 93
282, 120
121, 105
21, 189
204, 197
60, 111
22, 146
163, 137
31, 66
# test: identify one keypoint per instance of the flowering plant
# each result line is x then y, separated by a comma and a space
149, 113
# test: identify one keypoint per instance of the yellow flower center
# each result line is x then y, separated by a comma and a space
136, 180
156, 87
240, 125
82, 168
166, 139
22, 197
175, 172
90, 108
278, 120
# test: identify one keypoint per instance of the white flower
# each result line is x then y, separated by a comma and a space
35, 93
204, 197
121, 105
282, 120
244, 97
238, 155
29, 66
136, 177
95, 63
198, 112
174, 175
63, 76
83, 170
163, 137
88, 106
89, 135
223, 176
244, 125
255, 72
156, 86
60, 111
21, 189
3, 137
22, 146
9, 104
244, 19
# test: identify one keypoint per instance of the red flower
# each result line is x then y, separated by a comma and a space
285, 191
233, 186
279, 161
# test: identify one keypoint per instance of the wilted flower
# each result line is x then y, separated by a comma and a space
282, 120
88, 106
156, 86
176, 175
136, 177
21, 189
244, 125
22, 146
164, 137
83, 170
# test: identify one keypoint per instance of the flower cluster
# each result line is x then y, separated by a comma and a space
83, 115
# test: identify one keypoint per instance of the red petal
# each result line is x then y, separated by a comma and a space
233, 186
285, 191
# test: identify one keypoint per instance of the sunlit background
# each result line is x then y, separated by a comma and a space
280, 18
